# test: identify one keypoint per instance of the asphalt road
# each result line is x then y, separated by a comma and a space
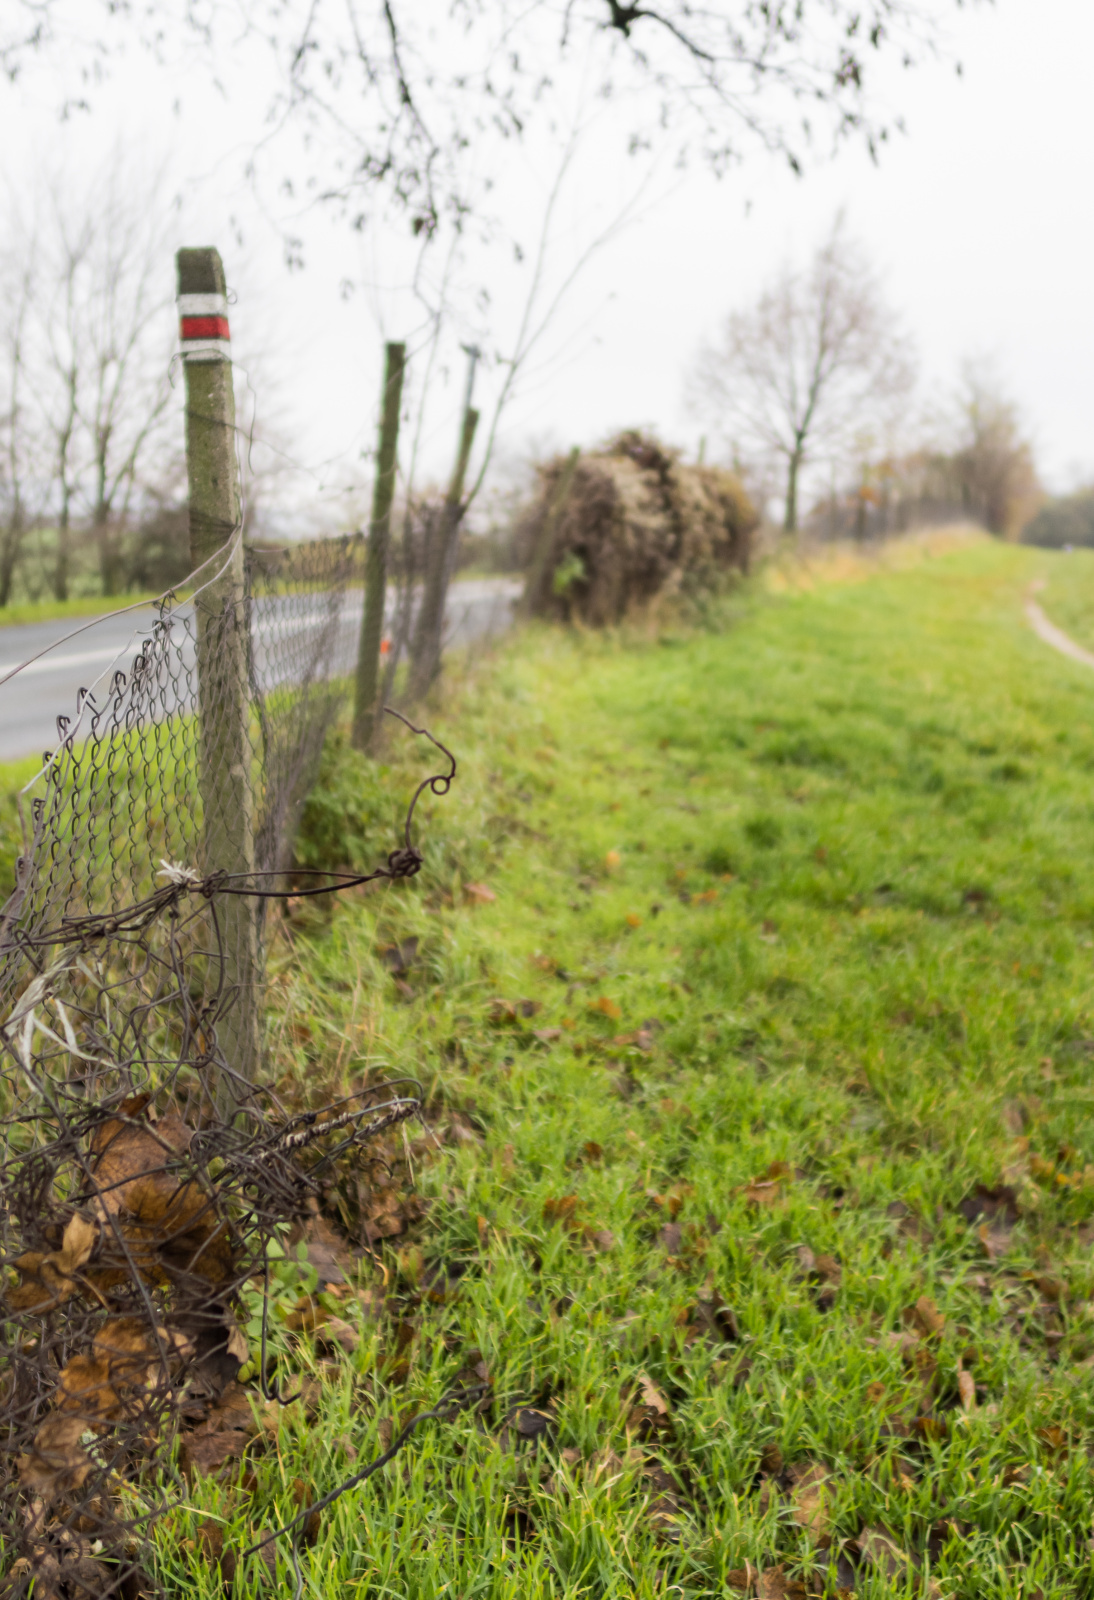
85, 655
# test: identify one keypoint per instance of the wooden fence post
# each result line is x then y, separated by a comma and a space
440, 559
225, 752
379, 537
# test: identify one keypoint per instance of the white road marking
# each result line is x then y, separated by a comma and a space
83, 658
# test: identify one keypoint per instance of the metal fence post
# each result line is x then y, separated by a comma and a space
379, 535
225, 751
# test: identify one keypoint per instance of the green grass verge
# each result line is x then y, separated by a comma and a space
807, 912
90, 605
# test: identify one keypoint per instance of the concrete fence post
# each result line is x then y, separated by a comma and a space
379, 538
225, 753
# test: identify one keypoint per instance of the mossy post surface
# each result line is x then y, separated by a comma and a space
379, 538
440, 560
225, 751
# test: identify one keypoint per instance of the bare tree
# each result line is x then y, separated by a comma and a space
88, 330
798, 373
64, 341
20, 457
123, 336
990, 460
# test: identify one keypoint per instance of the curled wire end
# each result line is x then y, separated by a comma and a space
438, 784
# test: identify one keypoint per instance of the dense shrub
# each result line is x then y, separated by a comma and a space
636, 523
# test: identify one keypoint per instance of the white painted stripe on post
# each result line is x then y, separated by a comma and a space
203, 305
206, 350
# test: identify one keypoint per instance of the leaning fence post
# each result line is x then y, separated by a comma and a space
225, 752
379, 535
440, 559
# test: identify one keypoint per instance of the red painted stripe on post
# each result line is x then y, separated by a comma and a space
205, 328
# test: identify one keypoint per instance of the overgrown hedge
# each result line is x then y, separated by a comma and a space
636, 523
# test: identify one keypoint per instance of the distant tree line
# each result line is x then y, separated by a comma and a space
974, 464
90, 469
1066, 521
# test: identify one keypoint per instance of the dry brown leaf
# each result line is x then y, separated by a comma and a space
810, 1498
562, 1209
767, 1188
237, 1346
828, 1268
671, 1238
529, 1422
305, 1495
605, 1465
881, 1552
325, 1249
925, 1318
640, 1039
966, 1388
652, 1396
607, 1007
479, 894
337, 1331
307, 1316
211, 1539
999, 1205
169, 1228
1055, 1441
127, 1360
742, 1580
63, 1569
48, 1280
57, 1462
773, 1584
995, 1242
306, 1396
384, 1216
204, 1455
232, 1412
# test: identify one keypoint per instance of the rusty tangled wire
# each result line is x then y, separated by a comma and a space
143, 1183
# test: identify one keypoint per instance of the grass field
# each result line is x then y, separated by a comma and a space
764, 1191
775, 1217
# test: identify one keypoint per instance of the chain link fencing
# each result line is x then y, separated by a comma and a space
145, 1166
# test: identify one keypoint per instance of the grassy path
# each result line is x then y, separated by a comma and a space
1068, 593
764, 1084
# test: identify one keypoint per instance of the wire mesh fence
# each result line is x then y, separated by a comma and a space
145, 1164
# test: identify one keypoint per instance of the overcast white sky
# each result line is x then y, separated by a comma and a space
980, 220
